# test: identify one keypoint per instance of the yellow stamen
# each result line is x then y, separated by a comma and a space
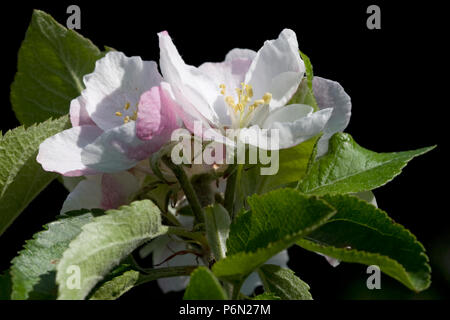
230, 101
127, 106
126, 119
267, 97
249, 90
118, 113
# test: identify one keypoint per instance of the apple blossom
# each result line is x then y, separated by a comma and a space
110, 133
248, 91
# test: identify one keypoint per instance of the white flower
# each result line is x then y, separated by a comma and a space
248, 91
111, 131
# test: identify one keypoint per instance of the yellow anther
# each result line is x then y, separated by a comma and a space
249, 90
256, 104
230, 101
267, 97
134, 116
118, 113
222, 91
222, 86
127, 106
240, 106
126, 119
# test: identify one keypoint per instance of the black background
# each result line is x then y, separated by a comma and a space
392, 76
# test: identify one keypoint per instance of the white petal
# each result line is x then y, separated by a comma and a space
231, 73
197, 87
119, 149
367, 196
281, 259
62, 152
116, 82
294, 124
163, 252
277, 68
78, 113
330, 94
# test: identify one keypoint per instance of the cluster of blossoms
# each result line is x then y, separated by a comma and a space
128, 111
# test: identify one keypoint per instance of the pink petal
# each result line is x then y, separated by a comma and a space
155, 114
117, 189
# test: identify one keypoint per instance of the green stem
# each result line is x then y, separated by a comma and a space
233, 182
236, 291
187, 187
230, 192
157, 273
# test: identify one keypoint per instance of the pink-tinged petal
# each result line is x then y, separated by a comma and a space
120, 149
78, 113
156, 113
86, 195
277, 68
184, 109
104, 191
198, 89
332, 261
330, 94
118, 189
241, 59
116, 85
62, 152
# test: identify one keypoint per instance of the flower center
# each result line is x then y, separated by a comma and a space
243, 106
127, 119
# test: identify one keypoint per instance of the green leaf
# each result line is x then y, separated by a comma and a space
217, 224
309, 69
103, 243
304, 95
276, 221
283, 283
21, 177
203, 285
362, 233
5, 286
350, 168
293, 163
52, 62
41, 254
266, 296
117, 286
